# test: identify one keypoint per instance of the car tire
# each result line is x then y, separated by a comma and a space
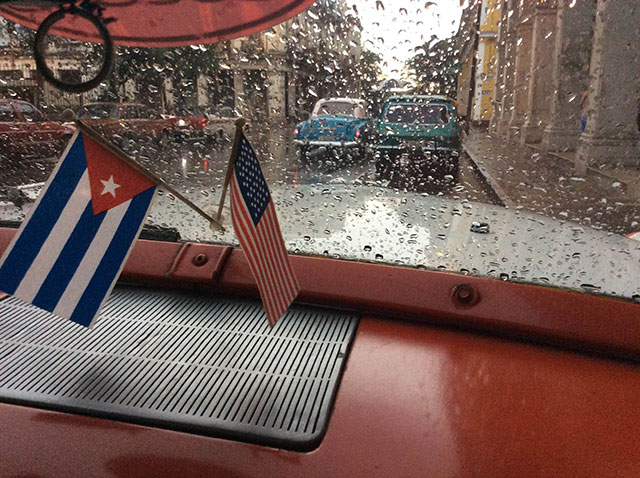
303, 155
455, 169
164, 140
125, 140
385, 165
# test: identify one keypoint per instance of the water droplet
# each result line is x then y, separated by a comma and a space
590, 288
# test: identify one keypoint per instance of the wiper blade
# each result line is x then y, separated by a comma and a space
149, 232
159, 233
10, 224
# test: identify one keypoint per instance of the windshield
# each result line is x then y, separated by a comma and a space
530, 173
6, 112
336, 108
416, 113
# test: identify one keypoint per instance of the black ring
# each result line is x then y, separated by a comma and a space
39, 56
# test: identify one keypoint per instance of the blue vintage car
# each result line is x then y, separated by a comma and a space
336, 126
425, 129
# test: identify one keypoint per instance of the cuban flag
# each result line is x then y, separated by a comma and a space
71, 247
256, 224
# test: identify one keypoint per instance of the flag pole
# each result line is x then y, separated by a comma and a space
240, 122
97, 137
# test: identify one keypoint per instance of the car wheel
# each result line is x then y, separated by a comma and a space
454, 162
360, 154
125, 140
303, 155
384, 165
164, 138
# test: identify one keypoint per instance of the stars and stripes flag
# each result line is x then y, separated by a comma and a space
254, 219
72, 245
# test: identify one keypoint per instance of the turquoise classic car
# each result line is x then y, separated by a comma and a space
418, 133
336, 127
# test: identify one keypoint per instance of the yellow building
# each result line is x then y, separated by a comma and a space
484, 54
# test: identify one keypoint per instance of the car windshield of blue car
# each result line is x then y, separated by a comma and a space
337, 108
417, 113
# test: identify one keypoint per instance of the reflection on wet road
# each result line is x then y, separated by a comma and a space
196, 168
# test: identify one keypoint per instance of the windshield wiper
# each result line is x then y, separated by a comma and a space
10, 224
159, 233
149, 232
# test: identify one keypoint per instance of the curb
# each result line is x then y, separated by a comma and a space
495, 190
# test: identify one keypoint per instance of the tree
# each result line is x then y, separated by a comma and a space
370, 71
325, 63
149, 67
436, 67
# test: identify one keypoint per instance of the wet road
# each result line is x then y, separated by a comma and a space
194, 168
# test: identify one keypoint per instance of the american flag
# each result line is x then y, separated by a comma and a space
254, 219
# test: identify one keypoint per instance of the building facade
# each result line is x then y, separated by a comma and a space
275, 75
477, 43
548, 54
20, 79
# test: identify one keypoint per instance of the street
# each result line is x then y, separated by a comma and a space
195, 170
525, 178
198, 172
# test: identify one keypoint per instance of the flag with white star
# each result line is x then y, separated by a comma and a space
71, 247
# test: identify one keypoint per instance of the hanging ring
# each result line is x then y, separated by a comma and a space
39, 45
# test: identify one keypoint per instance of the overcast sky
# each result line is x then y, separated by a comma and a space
395, 30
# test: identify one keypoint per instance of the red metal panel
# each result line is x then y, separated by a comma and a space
413, 401
168, 22
198, 262
535, 313
148, 259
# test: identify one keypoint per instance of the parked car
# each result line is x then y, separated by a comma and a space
133, 120
336, 125
25, 133
221, 123
423, 129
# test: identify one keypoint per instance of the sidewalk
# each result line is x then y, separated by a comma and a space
547, 184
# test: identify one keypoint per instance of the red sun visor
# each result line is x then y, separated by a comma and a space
162, 23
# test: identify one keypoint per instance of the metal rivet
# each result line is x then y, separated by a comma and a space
200, 260
464, 294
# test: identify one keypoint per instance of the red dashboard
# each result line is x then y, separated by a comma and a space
447, 375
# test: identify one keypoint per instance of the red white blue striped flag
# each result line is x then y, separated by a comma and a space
254, 219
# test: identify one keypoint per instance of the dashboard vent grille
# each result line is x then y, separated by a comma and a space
205, 365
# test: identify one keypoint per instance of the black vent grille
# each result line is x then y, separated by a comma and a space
204, 365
